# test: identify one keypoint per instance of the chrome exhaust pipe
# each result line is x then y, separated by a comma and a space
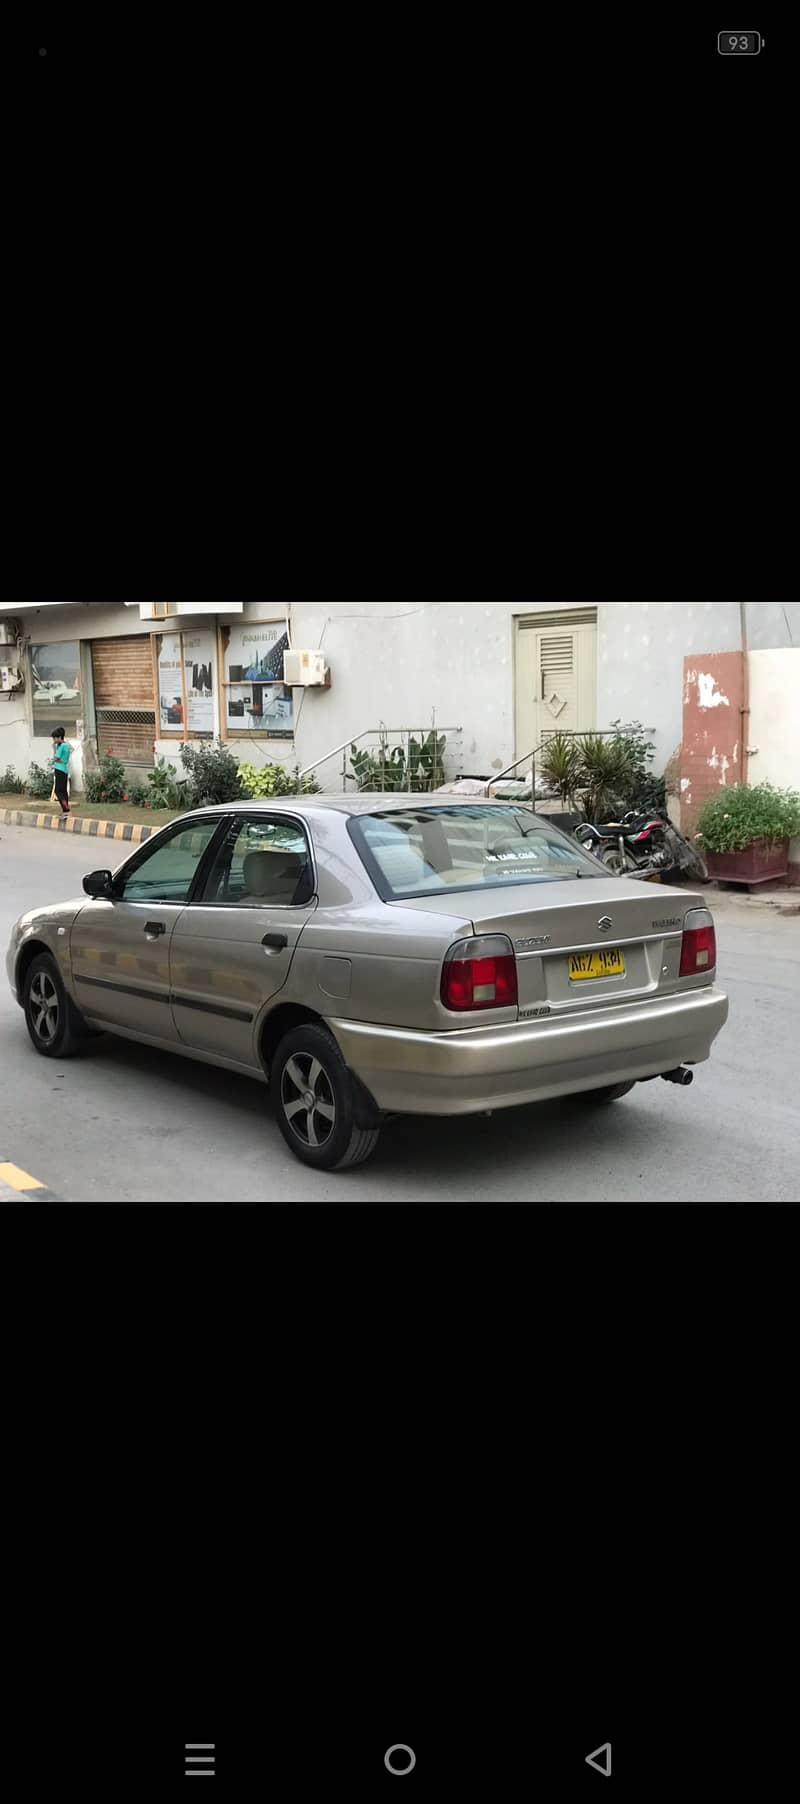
681, 1075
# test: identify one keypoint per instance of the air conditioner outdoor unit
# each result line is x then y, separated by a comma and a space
306, 670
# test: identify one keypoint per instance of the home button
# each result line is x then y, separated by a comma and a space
400, 1760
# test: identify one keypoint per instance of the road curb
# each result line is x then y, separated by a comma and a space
130, 831
22, 1199
18, 1186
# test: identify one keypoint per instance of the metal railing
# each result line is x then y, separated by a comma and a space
385, 740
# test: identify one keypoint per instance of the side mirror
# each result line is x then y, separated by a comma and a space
99, 883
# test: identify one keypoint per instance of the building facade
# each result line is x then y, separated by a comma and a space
497, 676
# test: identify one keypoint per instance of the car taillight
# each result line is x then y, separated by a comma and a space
699, 949
480, 973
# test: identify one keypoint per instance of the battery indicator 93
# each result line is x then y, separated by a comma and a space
738, 43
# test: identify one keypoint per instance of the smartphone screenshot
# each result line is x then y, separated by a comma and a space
398, 1175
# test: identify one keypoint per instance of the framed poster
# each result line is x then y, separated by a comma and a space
256, 700
170, 685
198, 660
57, 698
186, 683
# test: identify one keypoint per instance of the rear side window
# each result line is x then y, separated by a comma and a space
261, 864
429, 851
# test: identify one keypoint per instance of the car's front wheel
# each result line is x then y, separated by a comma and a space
54, 1023
316, 1102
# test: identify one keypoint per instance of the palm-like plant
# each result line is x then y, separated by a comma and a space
560, 765
606, 775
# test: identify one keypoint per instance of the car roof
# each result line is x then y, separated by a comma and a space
352, 804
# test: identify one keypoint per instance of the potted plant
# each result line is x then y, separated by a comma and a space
745, 832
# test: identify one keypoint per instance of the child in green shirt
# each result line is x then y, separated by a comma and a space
60, 762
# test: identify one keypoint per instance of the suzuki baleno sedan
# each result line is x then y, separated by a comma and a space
373, 956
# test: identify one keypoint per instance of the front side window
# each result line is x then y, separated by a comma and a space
425, 851
261, 863
166, 873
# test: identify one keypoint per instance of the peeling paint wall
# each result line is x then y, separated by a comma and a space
713, 698
643, 646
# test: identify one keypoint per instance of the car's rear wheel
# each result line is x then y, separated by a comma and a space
316, 1102
612, 1093
55, 1025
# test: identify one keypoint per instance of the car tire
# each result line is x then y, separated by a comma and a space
612, 1093
55, 1025
327, 1136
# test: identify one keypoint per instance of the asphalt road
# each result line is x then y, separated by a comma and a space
121, 1123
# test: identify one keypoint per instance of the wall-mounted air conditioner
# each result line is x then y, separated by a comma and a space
306, 670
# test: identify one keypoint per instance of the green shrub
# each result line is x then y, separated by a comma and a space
260, 782
645, 792
733, 819
163, 787
138, 794
107, 783
40, 782
213, 775
11, 784
610, 772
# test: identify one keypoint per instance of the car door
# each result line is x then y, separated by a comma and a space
120, 949
233, 948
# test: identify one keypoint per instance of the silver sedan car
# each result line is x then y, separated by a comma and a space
372, 956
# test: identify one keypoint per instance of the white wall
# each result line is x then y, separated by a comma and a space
401, 659
775, 718
397, 661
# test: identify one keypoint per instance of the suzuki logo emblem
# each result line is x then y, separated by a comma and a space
605, 924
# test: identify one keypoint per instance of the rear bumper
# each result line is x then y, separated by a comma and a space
498, 1068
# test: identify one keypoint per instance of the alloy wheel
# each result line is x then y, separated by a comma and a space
307, 1100
44, 1007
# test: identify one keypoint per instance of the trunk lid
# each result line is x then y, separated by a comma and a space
547, 924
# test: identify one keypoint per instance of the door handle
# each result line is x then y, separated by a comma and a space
275, 942
154, 929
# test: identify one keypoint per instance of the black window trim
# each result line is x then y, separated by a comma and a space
261, 817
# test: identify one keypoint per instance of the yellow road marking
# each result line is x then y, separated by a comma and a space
18, 1180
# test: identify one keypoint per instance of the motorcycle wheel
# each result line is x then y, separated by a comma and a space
617, 864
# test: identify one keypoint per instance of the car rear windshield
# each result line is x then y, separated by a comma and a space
430, 851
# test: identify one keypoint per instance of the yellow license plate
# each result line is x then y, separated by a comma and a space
608, 963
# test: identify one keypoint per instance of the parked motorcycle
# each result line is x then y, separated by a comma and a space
642, 845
